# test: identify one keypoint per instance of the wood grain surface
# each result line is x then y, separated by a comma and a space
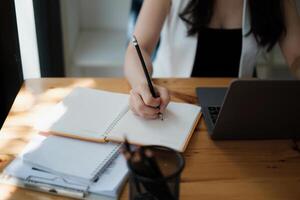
263, 169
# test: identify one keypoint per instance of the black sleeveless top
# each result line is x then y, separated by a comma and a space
218, 53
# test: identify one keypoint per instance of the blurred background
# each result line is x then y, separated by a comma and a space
96, 32
89, 38
75, 38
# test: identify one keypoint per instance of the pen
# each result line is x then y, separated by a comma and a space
148, 157
142, 162
127, 145
151, 88
43, 187
128, 156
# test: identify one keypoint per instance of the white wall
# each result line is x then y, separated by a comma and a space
82, 18
27, 39
108, 14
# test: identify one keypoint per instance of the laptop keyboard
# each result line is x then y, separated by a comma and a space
214, 112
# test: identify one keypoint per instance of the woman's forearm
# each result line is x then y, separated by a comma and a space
132, 66
295, 67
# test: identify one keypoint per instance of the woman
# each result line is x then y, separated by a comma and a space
207, 38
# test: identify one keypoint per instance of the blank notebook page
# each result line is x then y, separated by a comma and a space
84, 112
70, 157
173, 131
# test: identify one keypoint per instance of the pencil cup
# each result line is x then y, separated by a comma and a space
157, 178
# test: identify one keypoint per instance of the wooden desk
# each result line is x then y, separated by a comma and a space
214, 170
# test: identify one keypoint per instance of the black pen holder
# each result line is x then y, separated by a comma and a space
166, 187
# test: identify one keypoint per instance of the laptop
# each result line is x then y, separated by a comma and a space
252, 109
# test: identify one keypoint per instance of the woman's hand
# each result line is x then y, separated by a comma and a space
144, 105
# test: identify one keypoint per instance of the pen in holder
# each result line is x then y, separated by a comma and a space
155, 173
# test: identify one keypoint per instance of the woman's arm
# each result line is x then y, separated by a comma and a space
147, 31
290, 44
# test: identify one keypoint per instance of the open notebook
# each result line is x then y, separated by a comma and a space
105, 116
79, 161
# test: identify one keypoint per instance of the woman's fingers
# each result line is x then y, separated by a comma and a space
143, 104
140, 108
147, 97
164, 98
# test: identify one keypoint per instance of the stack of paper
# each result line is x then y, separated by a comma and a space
38, 168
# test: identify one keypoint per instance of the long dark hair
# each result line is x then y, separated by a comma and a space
267, 19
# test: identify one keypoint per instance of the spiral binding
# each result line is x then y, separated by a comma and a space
114, 123
114, 153
106, 162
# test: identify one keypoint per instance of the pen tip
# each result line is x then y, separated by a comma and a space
134, 40
125, 139
161, 116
